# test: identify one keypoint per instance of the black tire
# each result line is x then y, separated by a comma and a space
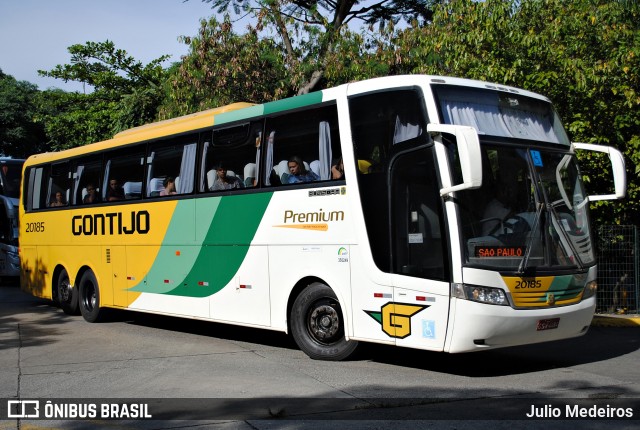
89, 297
66, 294
317, 324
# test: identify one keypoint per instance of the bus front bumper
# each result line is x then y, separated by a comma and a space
478, 326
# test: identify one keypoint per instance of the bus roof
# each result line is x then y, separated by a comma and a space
239, 111
195, 121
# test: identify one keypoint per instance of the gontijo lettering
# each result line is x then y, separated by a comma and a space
111, 223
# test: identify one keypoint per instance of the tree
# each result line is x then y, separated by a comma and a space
126, 93
311, 30
20, 135
223, 67
581, 54
72, 119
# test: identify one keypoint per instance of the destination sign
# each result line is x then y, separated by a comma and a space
499, 251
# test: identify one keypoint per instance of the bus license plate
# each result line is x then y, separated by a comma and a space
548, 324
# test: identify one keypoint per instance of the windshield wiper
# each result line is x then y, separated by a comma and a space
534, 229
567, 240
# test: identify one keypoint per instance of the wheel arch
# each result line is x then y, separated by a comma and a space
54, 280
81, 271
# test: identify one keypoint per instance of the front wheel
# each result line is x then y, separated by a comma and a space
66, 294
317, 324
89, 297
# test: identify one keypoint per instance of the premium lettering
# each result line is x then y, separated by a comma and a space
320, 216
111, 223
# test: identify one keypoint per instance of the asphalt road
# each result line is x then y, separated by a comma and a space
194, 374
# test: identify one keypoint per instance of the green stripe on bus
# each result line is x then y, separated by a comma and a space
238, 115
233, 222
180, 235
231, 232
268, 108
293, 103
566, 287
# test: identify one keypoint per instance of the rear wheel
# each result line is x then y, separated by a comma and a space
67, 295
89, 297
317, 324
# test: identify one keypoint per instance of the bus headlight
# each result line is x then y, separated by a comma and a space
475, 293
590, 289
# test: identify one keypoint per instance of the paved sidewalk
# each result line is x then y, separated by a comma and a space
601, 320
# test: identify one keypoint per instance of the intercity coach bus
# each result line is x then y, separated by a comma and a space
427, 212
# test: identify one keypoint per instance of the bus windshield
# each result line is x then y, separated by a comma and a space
531, 212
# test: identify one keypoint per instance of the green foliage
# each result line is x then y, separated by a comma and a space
223, 67
311, 31
126, 93
20, 135
108, 69
584, 55
74, 119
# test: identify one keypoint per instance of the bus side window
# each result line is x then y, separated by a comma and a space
229, 160
59, 186
172, 158
123, 173
85, 172
36, 187
301, 146
383, 123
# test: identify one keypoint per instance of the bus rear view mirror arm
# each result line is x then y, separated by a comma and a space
469, 153
617, 166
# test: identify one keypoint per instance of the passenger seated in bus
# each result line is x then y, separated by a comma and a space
92, 195
169, 186
115, 191
498, 210
298, 173
58, 200
224, 181
337, 170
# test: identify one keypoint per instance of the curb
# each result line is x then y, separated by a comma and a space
615, 321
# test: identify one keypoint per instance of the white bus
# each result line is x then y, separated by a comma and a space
428, 212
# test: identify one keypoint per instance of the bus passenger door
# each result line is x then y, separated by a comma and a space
419, 257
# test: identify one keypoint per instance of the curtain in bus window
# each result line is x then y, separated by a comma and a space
528, 125
187, 168
150, 172
50, 190
256, 174
203, 169
268, 163
324, 149
76, 183
487, 116
405, 130
105, 180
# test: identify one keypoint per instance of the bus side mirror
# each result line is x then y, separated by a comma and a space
617, 166
468, 145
